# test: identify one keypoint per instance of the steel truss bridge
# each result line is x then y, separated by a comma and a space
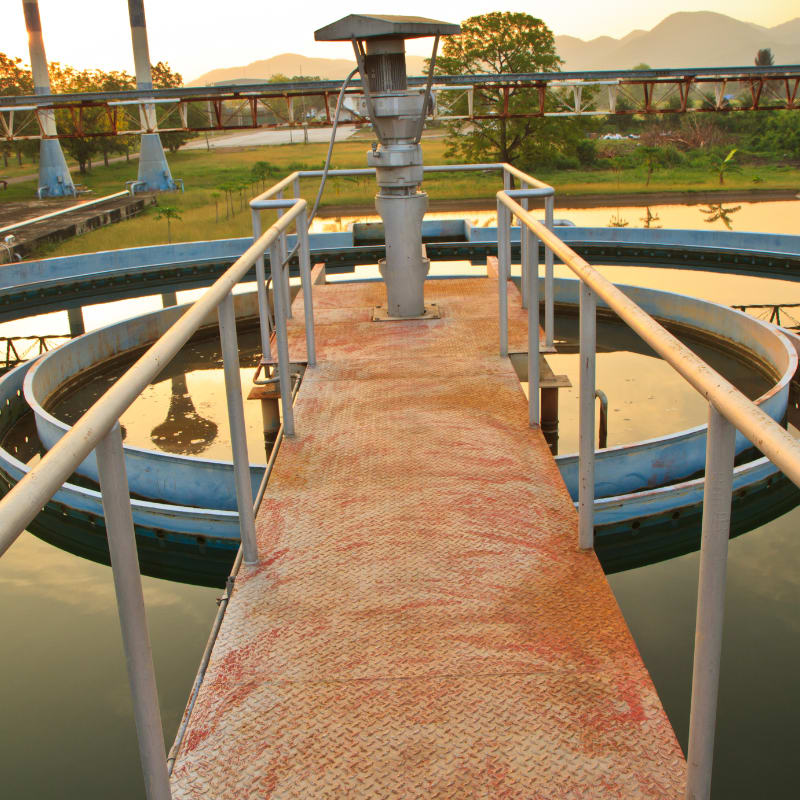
456, 97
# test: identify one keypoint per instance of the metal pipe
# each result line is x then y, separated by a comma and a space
602, 425
530, 266
427, 95
261, 291
132, 617
241, 461
283, 283
27, 498
305, 278
549, 315
588, 341
763, 432
283, 342
503, 259
524, 243
710, 603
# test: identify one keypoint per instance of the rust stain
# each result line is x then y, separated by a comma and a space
422, 623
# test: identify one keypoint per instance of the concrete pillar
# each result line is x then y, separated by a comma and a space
76, 324
153, 168
54, 177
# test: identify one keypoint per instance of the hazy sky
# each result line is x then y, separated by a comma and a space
95, 33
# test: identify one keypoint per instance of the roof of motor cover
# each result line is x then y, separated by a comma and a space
381, 26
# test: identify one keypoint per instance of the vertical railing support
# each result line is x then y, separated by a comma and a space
281, 278
503, 270
523, 255
530, 268
549, 321
720, 450
261, 291
588, 349
241, 461
132, 617
304, 257
283, 348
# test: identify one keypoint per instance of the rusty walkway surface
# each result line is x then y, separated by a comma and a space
422, 623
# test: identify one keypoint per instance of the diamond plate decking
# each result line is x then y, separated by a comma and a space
422, 623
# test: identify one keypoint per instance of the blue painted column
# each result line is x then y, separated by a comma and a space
153, 168
54, 176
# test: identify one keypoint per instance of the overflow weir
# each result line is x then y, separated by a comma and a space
421, 622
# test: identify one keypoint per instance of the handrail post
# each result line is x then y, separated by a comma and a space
132, 616
503, 269
549, 321
305, 279
283, 345
282, 278
588, 348
261, 291
720, 449
241, 461
530, 267
523, 255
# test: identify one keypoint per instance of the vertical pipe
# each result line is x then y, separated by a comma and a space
283, 344
261, 291
588, 323
132, 617
54, 175
710, 603
305, 278
523, 255
241, 461
530, 266
297, 180
549, 204
284, 273
503, 257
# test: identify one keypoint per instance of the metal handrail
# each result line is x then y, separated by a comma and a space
770, 438
25, 500
99, 430
728, 411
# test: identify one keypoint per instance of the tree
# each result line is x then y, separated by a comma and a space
168, 213
764, 58
722, 164
15, 79
505, 42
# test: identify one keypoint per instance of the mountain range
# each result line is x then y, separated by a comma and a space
683, 39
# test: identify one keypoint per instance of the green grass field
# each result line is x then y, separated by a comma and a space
205, 217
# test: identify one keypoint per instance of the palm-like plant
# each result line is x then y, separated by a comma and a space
724, 164
168, 213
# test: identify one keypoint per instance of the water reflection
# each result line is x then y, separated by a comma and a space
649, 218
184, 431
716, 212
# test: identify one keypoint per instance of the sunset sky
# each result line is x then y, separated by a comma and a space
95, 33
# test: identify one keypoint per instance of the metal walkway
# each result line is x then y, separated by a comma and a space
422, 623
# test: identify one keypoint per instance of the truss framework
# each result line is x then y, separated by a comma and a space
456, 97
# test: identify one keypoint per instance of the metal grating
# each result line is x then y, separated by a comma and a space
422, 623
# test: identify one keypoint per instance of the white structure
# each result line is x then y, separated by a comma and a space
54, 177
153, 168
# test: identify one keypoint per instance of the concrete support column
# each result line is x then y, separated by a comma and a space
76, 325
153, 168
54, 177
